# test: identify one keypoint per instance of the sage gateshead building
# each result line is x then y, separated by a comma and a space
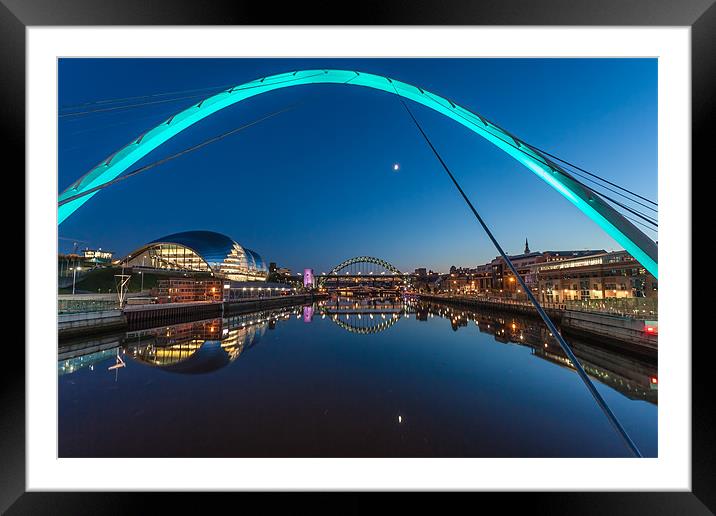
200, 252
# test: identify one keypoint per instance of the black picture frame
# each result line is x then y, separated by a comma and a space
16, 15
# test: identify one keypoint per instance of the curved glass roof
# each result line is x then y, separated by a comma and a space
260, 265
211, 246
220, 252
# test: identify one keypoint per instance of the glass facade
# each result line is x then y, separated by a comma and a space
201, 251
171, 257
615, 275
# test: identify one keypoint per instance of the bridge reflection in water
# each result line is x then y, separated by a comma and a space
348, 376
207, 345
364, 315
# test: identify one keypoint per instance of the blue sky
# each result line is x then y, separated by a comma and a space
315, 185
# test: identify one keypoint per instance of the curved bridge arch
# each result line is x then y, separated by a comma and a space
366, 329
586, 200
364, 259
333, 273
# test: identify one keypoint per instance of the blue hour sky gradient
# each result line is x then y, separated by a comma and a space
315, 185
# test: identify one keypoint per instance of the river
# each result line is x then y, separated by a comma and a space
348, 377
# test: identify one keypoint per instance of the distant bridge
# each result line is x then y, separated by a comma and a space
362, 271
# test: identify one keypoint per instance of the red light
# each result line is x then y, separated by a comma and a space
650, 329
654, 380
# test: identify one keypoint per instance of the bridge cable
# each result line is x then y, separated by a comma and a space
563, 344
128, 106
591, 174
137, 97
518, 146
159, 116
598, 185
641, 224
231, 90
639, 214
176, 155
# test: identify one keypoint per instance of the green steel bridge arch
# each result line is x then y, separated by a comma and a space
333, 273
633, 240
364, 259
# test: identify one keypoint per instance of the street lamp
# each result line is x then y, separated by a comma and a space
74, 277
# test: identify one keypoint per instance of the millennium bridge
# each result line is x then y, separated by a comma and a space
371, 273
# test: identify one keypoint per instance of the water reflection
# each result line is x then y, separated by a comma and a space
205, 346
190, 348
365, 316
634, 377
86, 353
316, 392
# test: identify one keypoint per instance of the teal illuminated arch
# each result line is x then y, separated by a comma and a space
641, 247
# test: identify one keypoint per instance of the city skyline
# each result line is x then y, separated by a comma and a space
318, 184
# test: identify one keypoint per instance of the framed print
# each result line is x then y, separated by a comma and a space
419, 252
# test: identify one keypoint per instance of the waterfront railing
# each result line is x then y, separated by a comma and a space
637, 307
70, 306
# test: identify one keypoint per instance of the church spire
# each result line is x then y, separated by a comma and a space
527, 247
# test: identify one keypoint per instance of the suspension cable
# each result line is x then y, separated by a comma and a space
176, 155
589, 173
128, 106
639, 214
538, 150
243, 88
598, 185
137, 97
641, 224
518, 147
198, 146
553, 329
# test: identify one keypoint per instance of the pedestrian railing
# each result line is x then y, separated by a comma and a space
637, 307
67, 304
68, 307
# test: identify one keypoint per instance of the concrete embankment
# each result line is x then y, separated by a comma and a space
143, 316
625, 330
505, 305
618, 331
271, 302
84, 323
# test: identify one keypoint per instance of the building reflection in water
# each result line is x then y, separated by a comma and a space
202, 346
633, 376
191, 348
205, 346
308, 313
86, 353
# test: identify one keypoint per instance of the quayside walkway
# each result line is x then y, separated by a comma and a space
137, 316
635, 332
